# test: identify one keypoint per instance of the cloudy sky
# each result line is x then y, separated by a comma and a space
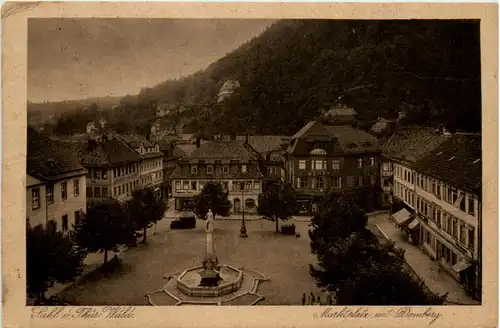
74, 59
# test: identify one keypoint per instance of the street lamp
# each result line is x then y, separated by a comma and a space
243, 230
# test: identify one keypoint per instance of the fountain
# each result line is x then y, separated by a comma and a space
210, 283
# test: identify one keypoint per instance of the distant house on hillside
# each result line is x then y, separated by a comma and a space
227, 89
339, 115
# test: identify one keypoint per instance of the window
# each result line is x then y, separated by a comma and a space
185, 185
372, 179
50, 194
177, 185
454, 229
248, 185
351, 181
461, 233
372, 161
360, 181
127, 188
194, 169
97, 192
470, 208
303, 182
337, 182
104, 191
35, 198
77, 217
52, 226
319, 164
470, 237
114, 173
335, 164
385, 167
226, 185
97, 174
104, 174
453, 258
225, 169
360, 162
256, 186
210, 169
64, 223
319, 183
115, 191
302, 164
243, 169
193, 185
64, 190
76, 187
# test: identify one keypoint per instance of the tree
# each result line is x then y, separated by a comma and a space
386, 286
105, 227
350, 258
278, 202
214, 197
50, 257
145, 209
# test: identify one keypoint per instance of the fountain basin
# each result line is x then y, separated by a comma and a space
188, 282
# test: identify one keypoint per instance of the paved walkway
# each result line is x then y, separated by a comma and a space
437, 280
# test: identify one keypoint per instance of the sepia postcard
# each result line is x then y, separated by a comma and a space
249, 164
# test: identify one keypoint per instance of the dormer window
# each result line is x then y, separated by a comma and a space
243, 169
194, 169
210, 169
225, 169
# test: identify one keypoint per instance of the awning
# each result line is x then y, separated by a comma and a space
459, 267
413, 224
402, 216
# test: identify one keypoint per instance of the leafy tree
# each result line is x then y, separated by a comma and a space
145, 209
214, 197
278, 202
105, 227
350, 257
386, 286
50, 257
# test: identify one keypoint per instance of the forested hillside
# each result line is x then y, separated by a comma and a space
430, 69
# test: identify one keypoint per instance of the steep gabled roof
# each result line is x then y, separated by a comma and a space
135, 141
265, 144
110, 153
49, 160
222, 149
457, 161
353, 140
412, 143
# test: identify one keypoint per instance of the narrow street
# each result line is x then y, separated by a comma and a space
437, 280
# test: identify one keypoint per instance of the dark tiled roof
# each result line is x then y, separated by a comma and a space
49, 159
111, 152
185, 148
222, 149
412, 142
457, 161
353, 140
135, 141
265, 144
178, 152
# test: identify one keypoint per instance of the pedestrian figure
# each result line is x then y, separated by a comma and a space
312, 299
318, 301
304, 299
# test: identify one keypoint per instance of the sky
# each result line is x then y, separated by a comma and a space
81, 58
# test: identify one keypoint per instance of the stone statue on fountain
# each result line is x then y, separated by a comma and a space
210, 275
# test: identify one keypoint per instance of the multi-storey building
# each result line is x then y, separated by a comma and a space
271, 155
400, 152
151, 168
323, 159
229, 162
55, 184
113, 169
171, 154
447, 205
